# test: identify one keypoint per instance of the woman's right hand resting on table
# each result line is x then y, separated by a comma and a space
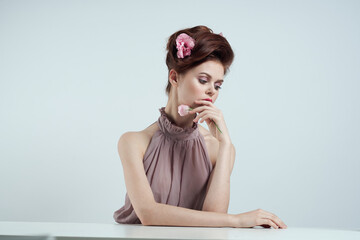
258, 217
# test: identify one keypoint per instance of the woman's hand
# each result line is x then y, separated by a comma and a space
258, 217
211, 115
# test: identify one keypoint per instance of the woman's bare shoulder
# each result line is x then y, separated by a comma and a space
139, 139
149, 131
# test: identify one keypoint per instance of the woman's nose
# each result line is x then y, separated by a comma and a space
210, 91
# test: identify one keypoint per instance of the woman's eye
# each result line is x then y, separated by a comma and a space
202, 81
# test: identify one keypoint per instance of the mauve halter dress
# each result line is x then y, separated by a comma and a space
177, 166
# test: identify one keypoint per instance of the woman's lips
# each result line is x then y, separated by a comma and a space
208, 99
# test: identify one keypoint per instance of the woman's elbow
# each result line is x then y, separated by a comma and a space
145, 219
146, 214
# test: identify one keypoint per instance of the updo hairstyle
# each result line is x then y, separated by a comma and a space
208, 46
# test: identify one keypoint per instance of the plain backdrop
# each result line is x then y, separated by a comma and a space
75, 75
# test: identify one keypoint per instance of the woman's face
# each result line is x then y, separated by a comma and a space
200, 82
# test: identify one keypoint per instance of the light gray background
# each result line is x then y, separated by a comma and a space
75, 75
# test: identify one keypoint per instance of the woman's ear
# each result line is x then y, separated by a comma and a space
173, 77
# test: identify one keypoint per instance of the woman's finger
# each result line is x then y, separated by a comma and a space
204, 105
265, 226
199, 109
200, 115
204, 115
275, 219
265, 221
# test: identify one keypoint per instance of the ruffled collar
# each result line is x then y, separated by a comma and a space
175, 132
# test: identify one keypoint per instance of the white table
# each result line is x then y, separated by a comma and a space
97, 231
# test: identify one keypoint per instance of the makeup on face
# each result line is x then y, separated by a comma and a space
208, 99
218, 83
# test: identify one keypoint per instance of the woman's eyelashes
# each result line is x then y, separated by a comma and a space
203, 81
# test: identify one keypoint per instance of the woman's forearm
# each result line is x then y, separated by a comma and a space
168, 215
218, 192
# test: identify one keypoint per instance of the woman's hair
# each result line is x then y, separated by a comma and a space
208, 46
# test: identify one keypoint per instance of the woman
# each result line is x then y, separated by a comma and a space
177, 173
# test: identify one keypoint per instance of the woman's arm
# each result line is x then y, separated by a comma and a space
218, 189
130, 147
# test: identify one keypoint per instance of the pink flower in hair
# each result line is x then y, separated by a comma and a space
184, 44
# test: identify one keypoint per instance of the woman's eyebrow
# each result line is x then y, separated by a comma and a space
220, 80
